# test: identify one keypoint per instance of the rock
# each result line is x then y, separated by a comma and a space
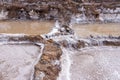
3, 15
79, 44
33, 15
111, 43
64, 43
76, 45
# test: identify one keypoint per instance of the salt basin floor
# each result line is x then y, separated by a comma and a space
17, 61
95, 63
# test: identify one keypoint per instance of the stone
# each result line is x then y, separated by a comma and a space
111, 43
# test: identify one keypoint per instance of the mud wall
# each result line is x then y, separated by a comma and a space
87, 10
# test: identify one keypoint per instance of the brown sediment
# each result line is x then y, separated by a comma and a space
49, 63
28, 38
91, 41
111, 43
77, 45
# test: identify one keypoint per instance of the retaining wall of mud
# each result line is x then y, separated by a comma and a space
86, 10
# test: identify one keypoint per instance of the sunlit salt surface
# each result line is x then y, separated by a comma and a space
17, 61
65, 65
95, 63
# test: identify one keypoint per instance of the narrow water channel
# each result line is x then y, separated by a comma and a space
27, 27
36, 27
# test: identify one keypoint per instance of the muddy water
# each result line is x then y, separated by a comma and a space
97, 29
27, 27
36, 27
